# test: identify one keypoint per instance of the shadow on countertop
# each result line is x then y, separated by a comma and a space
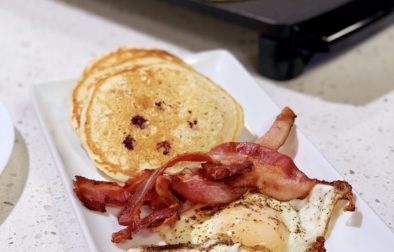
13, 178
357, 76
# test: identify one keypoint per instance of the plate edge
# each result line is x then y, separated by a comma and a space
61, 169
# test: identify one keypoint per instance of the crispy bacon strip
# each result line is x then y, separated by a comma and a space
195, 187
162, 189
156, 217
273, 174
276, 136
95, 195
152, 219
219, 171
132, 183
122, 235
130, 215
156, 202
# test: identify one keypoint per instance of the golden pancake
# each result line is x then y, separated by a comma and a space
140, 117
124, 57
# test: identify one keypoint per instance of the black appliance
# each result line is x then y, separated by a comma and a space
292, 31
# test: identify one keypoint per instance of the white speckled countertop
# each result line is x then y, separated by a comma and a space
345, 105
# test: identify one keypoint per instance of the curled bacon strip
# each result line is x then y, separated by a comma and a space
220, 171
95, 195
197, 188
130, 215
162, 189
148, 221
276, 136
273, 174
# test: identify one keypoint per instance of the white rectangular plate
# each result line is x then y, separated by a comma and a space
51, 99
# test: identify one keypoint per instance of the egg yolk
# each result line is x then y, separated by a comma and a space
262, 228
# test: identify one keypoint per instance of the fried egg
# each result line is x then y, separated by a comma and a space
255, 223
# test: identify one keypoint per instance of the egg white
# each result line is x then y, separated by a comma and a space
256, 222
211, 247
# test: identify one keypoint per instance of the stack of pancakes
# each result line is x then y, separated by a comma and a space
134, 109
